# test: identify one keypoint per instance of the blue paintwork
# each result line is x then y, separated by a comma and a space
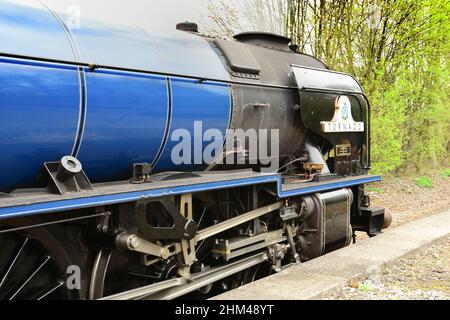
187, 53
327, 187
126, 48
208, 102
32, 31
39, 107
122, 41
126, 122
80, 203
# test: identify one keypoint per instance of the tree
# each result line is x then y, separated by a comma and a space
227, 18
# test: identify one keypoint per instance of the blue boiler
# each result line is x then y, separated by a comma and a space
107, 118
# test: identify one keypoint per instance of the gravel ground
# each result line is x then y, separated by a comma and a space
425, 276
407, 201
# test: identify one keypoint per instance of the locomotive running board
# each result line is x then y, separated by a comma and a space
27, 203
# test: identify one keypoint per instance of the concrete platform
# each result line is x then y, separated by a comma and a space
316, 278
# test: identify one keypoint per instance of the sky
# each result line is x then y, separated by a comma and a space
164, 14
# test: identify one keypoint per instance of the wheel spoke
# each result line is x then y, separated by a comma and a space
11, 266
47, 259
48, 292
32, 267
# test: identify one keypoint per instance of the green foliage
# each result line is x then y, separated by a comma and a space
365, 287
445, 173
388, 123
424, 182
375, 189
411, 119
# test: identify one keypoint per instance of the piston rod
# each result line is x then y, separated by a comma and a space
231, 223
208, 277
138, 293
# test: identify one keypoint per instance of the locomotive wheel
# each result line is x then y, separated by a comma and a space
111, 274
97, 285
255, 273
32, 267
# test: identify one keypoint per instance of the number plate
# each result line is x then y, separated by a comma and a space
343, 150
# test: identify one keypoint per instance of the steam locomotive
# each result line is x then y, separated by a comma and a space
93, 204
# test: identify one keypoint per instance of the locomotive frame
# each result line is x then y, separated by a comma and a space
102, 210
